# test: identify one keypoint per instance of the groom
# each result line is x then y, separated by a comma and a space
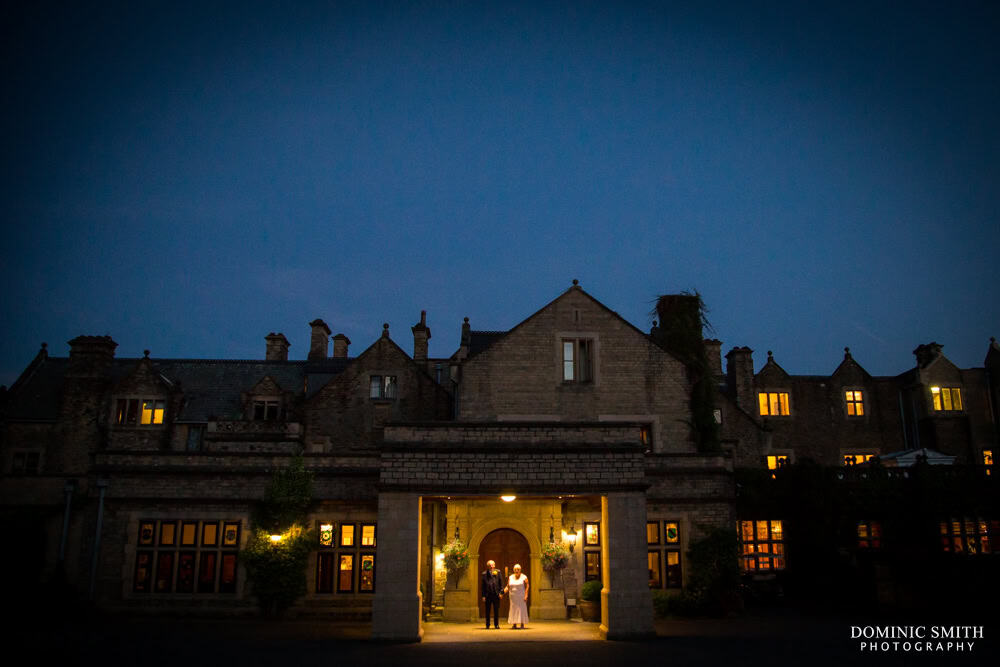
491, 585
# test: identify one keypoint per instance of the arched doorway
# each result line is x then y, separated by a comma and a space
507, 547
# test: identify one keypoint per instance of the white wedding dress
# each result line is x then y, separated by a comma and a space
518, 606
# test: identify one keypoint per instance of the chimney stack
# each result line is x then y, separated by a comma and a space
927, 353
319, 342
739, 377
340, 343
277, 347
713, 351
421, 334
90, 356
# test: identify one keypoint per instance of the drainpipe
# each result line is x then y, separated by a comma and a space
68, 490
434, 537
102, 485
902, 414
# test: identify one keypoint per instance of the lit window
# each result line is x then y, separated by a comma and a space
592, 565
347, 535
578, 362
855, 403
645, 435
773, 403
366, 578
382, 386
762, 546
591, 534
869, 535
988, 460
141, 412
653, 565
664, 557
265, 410
946, 399
169, 560
777, 461
968, 536
652, 532
858, 459
342, 554
345, 580
368, 535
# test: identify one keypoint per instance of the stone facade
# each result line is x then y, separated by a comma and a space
574, 410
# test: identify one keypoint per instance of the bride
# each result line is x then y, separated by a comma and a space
517, 587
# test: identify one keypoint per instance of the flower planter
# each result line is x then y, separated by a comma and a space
589, 611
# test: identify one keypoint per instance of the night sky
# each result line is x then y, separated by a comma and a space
189, 177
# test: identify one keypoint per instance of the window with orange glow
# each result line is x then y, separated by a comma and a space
777, 461
946, 399
762, 547
858, 458
988, 460
773, 403
869, 534
139, 411
968, 536
855, 403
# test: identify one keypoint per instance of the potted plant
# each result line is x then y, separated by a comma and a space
590, 601
555, 557
456, 558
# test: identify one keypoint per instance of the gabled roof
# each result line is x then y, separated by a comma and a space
486, 339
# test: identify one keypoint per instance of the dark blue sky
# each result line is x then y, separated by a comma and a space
188, 178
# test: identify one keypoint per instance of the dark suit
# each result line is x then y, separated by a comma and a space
491, 586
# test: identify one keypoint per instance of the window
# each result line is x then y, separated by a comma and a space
196, 434
869, 534
858, 458
577, 357
591, 553
592, 565
854, 399
25, 463
663, 558
968, 536
591, 534
346, 564
382, 387
773, 403
139, 411
762, 546
186, 556
988, 461
776, 461
266, 409
646, 435
946, 399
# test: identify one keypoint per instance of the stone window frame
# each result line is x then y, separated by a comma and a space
664, 548
594, 345
779, 392
755, 549
329, 556
137, 548
25, 456
937, 400
969, 536
264, 402
855, 402
383, 394
119, 418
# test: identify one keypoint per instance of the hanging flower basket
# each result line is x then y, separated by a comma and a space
456, 556
555, 557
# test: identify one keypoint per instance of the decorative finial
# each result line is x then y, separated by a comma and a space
385, 330
466, 320
145, 354
45, 345
575, 282
769, 355
654, 323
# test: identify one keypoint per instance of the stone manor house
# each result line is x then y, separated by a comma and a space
131, 481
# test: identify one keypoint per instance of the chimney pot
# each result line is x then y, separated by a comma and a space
319, 340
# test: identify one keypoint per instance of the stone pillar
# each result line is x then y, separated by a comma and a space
397, 606
626, 603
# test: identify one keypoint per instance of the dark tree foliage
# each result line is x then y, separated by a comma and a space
682, 322
277, 569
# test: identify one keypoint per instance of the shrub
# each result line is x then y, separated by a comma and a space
591, 591
661, 602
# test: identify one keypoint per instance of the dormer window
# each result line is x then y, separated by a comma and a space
139, 411
578, 359
854, 399
382, 387
946, 399
773, 403
266, 409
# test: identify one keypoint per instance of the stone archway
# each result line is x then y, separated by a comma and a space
506, 547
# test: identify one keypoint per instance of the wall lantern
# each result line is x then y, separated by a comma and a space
508, 498
275, 539
571, 537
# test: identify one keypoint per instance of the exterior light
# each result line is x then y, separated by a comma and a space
508, 499
275, 538
571, 537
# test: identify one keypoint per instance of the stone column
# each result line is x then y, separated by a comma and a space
397, 606
626, 603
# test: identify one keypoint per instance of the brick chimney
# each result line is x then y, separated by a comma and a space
90, 356
340, 343
713, 351
739, 377
319, 341
421, 334
277, 347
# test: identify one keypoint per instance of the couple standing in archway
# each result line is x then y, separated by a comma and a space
504, 589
